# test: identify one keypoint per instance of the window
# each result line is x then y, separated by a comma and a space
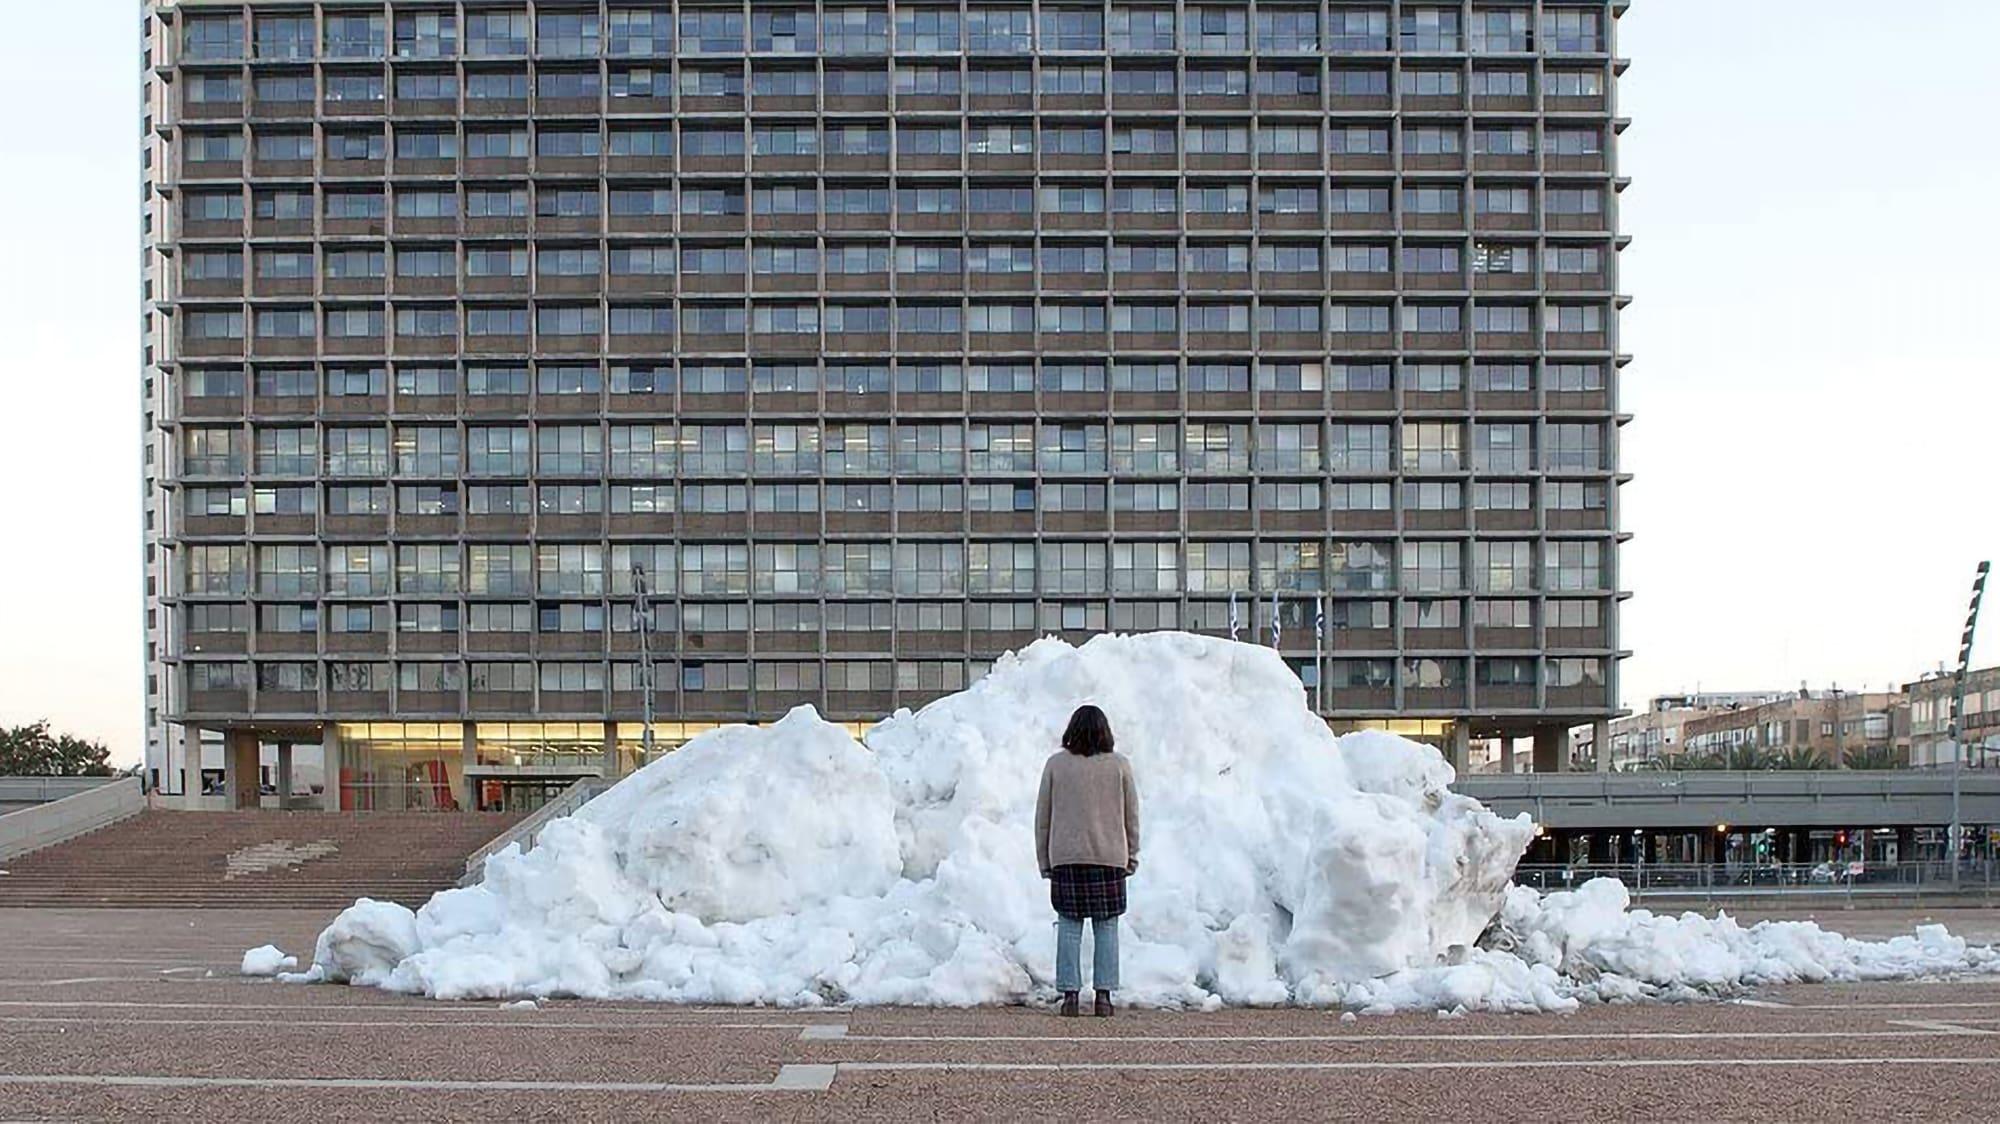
1500, 83
1575, 142
1359, 448
1573, 447
278, 37
1358, 201
1503, 566
1571, 31
1359, 496
1358, 140
927, 30
1571, 83
1430, 29
1502, 447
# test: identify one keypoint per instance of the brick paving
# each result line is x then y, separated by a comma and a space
139, 1013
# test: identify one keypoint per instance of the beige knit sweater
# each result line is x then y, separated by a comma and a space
1087, 812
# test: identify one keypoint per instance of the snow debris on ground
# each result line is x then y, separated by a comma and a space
267, 960
793, 865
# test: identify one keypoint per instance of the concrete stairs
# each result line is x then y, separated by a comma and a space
253, 860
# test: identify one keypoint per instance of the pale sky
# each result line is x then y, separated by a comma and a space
1812, 267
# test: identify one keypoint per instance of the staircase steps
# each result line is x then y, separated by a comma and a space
317, 860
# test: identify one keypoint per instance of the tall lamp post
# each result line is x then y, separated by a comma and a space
1958, 713
642, 619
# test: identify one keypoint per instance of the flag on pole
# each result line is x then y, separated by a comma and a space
1235, 623
1277, 628
1319, 618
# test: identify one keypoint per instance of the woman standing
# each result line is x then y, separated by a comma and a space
1087, 841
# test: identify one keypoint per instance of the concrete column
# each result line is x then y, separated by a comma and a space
191, 762
329, 767
285, 776
1507, 754
1458, 748
468, 760
1600, 736
610, 765
1551, 749
239, 768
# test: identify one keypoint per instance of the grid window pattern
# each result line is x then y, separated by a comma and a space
1019, 316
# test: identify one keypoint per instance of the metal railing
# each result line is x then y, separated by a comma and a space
528, 830
1725, 880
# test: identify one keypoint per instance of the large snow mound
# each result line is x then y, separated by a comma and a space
792, 865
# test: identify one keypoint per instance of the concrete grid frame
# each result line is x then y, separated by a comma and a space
887, 337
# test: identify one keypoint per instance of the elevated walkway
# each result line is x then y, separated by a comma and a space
1695, 801
262, 859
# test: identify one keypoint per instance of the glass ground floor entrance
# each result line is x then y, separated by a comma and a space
517, 794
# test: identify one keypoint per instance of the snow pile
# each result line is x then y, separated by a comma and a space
1590, 933
793, 865
267, 960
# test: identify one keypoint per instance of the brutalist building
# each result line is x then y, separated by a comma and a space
876, 340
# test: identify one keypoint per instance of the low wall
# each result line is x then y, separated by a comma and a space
26, 792
45, 825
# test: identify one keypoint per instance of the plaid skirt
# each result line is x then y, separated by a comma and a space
1078, 890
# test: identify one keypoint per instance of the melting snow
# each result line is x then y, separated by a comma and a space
792, 865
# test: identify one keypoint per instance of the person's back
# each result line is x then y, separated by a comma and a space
1086, 843
1092, 812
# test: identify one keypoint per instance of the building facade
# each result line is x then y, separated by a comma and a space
1930, 719
1830, 729
1652, 738
877, 339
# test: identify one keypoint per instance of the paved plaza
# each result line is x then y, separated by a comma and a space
109, 1013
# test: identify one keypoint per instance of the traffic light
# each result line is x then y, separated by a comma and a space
1840, 839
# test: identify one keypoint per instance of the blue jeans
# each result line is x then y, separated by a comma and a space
1103, 953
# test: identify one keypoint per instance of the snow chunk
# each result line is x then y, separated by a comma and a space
267, 960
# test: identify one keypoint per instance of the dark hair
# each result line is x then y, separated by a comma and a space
1089, 732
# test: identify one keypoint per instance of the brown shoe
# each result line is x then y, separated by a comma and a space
1069, 1005
1104, 1009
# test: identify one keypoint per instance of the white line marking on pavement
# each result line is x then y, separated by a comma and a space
517, 1022
789, 1079
1890, 1006
1940, 1027
820, 1032
1610, 1036
76, 980
1500, 1063
1771, 1003
415, 1006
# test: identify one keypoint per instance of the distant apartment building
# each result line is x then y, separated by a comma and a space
1837, 728
1930, 719
1653, 737
877, 339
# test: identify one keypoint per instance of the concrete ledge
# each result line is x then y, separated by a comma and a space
19, 792
45, 825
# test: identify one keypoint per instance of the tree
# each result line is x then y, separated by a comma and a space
1800, 757
1874, 757
31, 751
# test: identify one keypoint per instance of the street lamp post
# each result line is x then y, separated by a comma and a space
642, 618
1956, 839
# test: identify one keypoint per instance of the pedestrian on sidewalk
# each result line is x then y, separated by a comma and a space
1087, 842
